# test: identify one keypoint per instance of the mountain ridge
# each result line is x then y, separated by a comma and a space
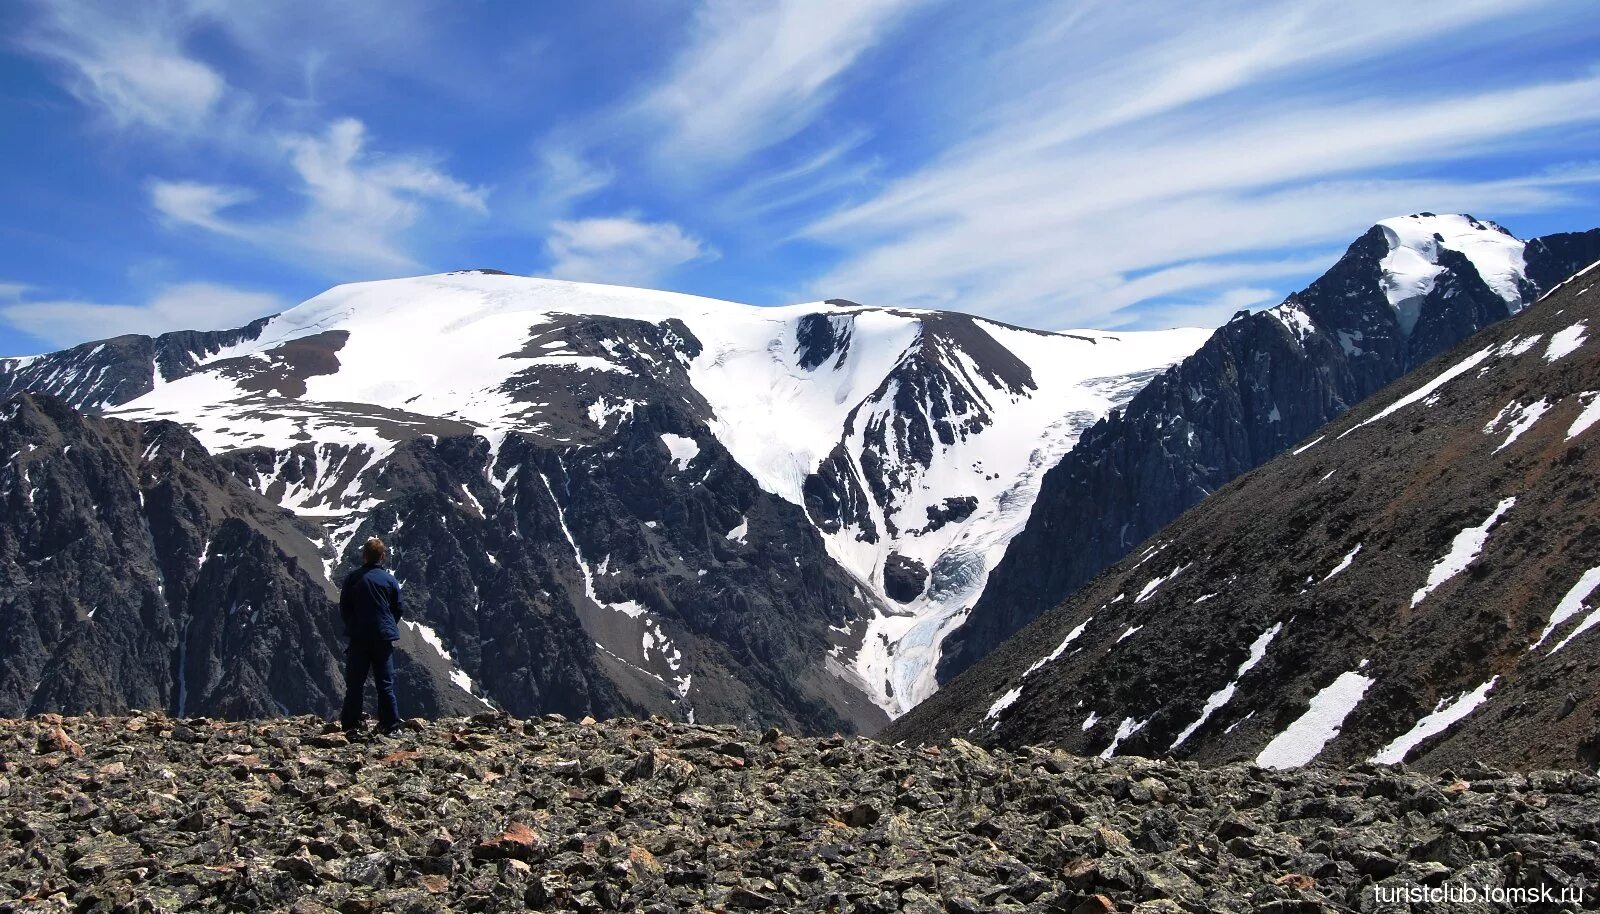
1262, 383
1415, 582
673, 455
718, 512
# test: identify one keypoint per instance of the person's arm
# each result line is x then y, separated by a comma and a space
344, 605
399, 610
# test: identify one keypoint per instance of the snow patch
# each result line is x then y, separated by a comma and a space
1127, 728
1219, 698
1589, 416
1060, 648
457, 675
1444, 377
1295, 320
1001, 703
601, 410
1573, 603
1444, 715
1519, 345
630, 608
1344, 563
683, 450
1565, 342
1309, 444
1150, 586
1517, 419
1304, 739
1463, 550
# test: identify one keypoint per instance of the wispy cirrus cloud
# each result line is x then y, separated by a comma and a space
127, 63
358, 205
192, 305
620, 250
751, 77
1221, 133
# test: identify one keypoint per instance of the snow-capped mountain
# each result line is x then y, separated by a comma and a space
1410, 288
608, 500
753, 514
1418, 581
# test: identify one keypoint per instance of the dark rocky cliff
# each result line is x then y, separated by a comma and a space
1262, 383
138, 573
1418, 581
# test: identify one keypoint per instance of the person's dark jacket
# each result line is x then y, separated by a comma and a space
370, 604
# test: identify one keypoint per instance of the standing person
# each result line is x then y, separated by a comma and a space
370, 605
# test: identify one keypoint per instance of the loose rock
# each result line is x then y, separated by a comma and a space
488, 814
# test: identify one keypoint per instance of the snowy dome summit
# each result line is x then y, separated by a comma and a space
911, 437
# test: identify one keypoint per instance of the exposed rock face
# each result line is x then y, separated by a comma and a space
634, 547
111, 372
495, 813
1417, 582
614, 500
144, 573
1262, 383
138, 573
904, 578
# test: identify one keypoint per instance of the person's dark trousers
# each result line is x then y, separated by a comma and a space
377, 657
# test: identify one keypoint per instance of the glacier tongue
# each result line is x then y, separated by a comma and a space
1079, 378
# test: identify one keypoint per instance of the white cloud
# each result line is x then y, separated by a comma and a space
1150, 146
565, 176
185, 306
181, 202
753, 75
558, 176
128, 62
359, 205
620, 250
1213, 311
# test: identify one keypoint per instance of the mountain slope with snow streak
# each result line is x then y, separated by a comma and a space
1408, 289
1409, 586
792, 465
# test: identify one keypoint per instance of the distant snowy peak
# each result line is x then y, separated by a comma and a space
913, 440
1412, 266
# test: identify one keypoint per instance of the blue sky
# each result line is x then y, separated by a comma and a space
198, 163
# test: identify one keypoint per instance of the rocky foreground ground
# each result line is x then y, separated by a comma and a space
147, 813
